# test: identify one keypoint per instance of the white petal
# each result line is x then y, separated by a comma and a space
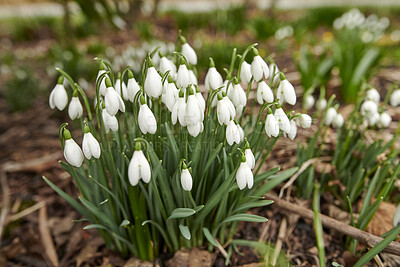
250, 160
73, 153
153, 84
241, 173
75, 109
288, 92
86, 146
133, 169
189, 54
186, 180
144, 166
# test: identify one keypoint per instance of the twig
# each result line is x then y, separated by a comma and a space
303, 167
5, 202
222, 250
35, 165
368, 239
47, 240
281, 236
25, 212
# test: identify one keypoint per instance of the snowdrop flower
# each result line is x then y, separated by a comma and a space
238, 97
244, 176
395, 98
213, 78
250, 160
102, 88
200, 99
274, 74
112, 100
121, 90
90, 145
110, 122
192, 77
232, 133
282, 119
321, 104
245, 73
183, 76
373, 95
264, 93
308, 101
170, 93
369, 108
285, 92
178, 111
195, 129
58, 96
271, 124
193, 112
338, 121
167, 65
293, 130
186, 178
225, 110
146, 119
224, 89
241, 132
330, 115
152, 83
384, 120
72, 152
132, 88
188, 52
258, 67
75, 109
305, 121
139, 167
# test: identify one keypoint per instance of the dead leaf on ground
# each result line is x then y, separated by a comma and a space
47, 240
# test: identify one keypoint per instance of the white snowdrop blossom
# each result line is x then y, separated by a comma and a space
102, 88
189, 53
338, 121
286, 92
72, 152
178, 111
225, 110
121, 90
282, 119
192, 78
200, 99
58, 96
241, 132
250, 160
293, 130
245, 73
373, 95
384, 120
182, 77
195, 129
309, 101
232, 133
170, 94
186, 179
264, 93
213, 78
259, 68
330, 115
110, 122
132, 88
244, 176
305, 121
395, 98
112, 100
75, 109
271, 125
369, 108
90, 145
321, 104
167, 65
238, 98
153, 83
193, 112
139, 167
146, 119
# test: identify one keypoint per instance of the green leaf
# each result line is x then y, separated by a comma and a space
254, 204
160, 229
198, 208
95, 226
181, 213
209, 237
185, 231
274, 180
245, 218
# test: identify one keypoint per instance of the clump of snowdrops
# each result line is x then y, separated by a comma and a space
166, 165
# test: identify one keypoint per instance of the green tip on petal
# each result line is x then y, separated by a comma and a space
75, 93
108, 82
119, 75
197, 88
269, 111
212, 64
247, 146
151, 64
102, 66
183, 40
170, 79
255, 51
138, 146
243, 158
60, 80
184, 167
191, 92
67, 134
86, 129
282, 76
181, 93
130, 74
223, 94
142, 100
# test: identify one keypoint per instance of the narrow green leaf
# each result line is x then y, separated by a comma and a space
254, 204
245, 218
209, 237
181, 213
95, 226
185, 231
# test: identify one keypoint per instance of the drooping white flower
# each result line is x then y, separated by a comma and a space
286, 93
293, 130
200, 99
245, 73
282, 119
308, 101
338, 121
152, 83
241, 132
170, 94
373, 95
146, 119
132, 88
75, 109
90, 145
193, 112
213, 78
186, 179
264, 93
102, 88
178, 111
305, 121
369, 108
330, 115
139, 167
259, 68
194, 130
110, 122
182, 77
232, 133
244, 176
192, 78
321, 104
188, 52
112, 100
121, 90
271, 125
384, 120
72, 152
225, 110
395, 98
58, 96
167, 65
250, 160
238, 98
